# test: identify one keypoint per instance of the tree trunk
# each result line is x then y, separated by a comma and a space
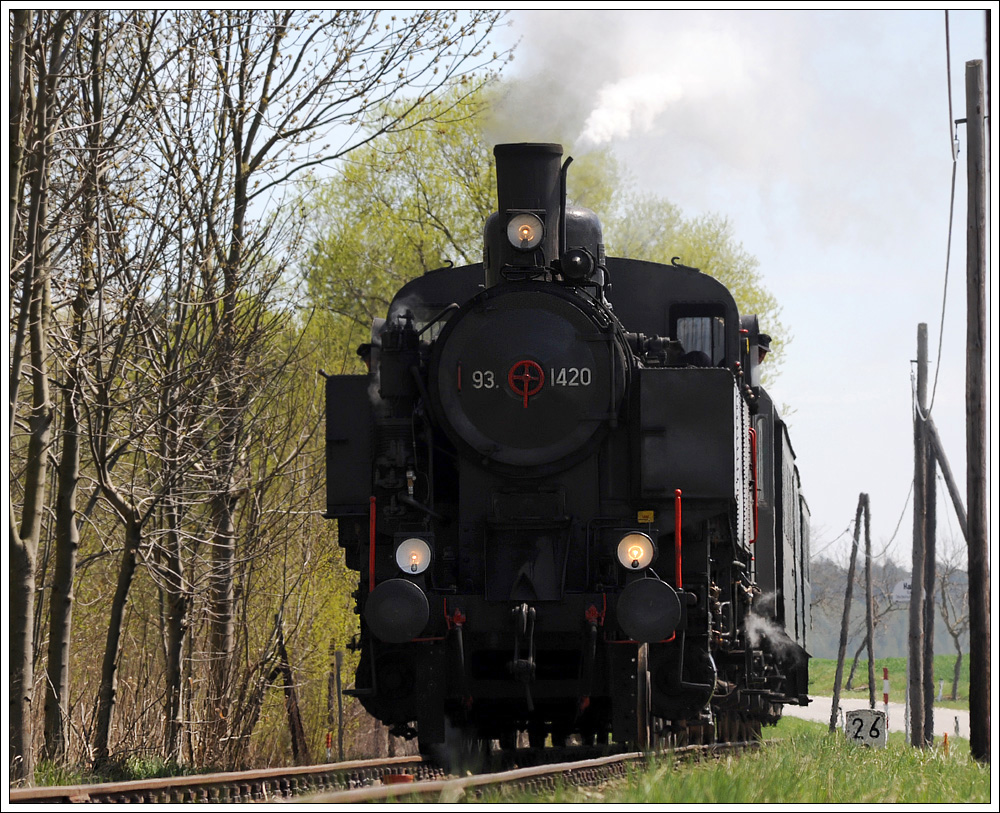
849, 685
21, 560
112, 648
67, 530
222, 607
32, 328
231, 410
958, 670
297, 732
178, 601
61, 598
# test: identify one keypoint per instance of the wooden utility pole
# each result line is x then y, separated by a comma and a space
869, 604
846, 619
930, 575
942, 461
975, 420
915, 689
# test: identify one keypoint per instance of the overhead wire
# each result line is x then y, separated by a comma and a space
953, 139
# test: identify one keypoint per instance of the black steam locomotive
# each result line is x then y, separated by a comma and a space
573, 509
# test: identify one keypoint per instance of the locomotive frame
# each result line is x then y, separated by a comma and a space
573, 509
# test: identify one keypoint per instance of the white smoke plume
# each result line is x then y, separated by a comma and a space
763, 631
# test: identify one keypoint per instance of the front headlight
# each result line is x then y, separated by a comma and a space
413, 555
636, 551
525, 231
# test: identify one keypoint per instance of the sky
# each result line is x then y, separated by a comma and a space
824, 138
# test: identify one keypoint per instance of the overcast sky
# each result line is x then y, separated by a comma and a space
824, 137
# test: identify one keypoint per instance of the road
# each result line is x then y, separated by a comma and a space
954, 722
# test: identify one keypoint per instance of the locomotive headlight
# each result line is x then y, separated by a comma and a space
525, 231
413, 555
636, 551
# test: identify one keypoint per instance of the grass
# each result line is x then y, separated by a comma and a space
823, 672
806, 765
118, 769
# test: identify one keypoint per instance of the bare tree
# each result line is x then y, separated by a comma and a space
283, 79
148, 157
99, 124
42, 46
953, 587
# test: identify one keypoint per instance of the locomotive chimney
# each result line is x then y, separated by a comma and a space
523, 235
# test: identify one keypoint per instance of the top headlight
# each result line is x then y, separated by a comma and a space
525, 231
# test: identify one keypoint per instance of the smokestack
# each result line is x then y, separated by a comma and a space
524, 232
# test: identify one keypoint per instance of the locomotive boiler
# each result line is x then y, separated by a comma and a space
573, 510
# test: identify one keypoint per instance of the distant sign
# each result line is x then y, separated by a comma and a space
866, 727
901, 593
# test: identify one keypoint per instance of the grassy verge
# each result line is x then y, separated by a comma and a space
806, 766
823, 672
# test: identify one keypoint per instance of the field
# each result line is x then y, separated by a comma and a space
822, 673
803, 764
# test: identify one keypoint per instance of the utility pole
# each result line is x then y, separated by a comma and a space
869, 603
845, 622
930, 572
915, 687
975, 420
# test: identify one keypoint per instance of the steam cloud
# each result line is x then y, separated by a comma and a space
717, 109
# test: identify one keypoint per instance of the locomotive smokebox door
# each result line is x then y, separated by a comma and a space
526, 379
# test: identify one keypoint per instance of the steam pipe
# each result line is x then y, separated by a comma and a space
436, 319
562, 205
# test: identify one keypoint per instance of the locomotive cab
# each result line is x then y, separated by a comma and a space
550, 502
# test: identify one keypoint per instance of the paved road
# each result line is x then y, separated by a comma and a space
954, 722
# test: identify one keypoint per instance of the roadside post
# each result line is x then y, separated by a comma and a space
866, 727
885, 692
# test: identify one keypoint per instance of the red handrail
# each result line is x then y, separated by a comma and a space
677, 537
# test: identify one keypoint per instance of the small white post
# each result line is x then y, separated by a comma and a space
885, 691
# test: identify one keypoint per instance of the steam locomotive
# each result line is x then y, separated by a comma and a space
573, 509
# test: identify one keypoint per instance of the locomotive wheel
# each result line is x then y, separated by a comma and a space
643, 699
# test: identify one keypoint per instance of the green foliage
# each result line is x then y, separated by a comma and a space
413, 202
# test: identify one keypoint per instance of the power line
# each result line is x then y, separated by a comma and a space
953, 139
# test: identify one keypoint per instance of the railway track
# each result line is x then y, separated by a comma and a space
359, 781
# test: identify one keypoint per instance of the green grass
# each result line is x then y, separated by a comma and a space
804, 764
823, 672
118, 769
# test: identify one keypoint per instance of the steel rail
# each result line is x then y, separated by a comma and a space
539, 778
242, 786
354, 781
